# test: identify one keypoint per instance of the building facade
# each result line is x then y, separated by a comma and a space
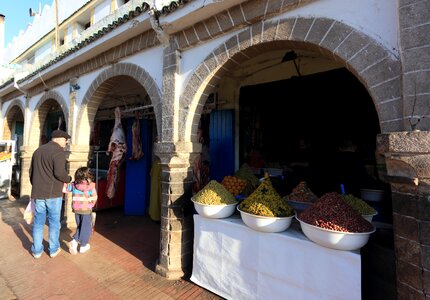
167, 58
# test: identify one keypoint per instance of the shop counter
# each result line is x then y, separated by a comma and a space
236, 262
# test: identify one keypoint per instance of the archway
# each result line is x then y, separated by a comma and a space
361, 55
51, 112
13, 129
129, 89
246, 54
99, 88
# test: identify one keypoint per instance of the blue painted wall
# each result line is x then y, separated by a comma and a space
137, 172
221, 145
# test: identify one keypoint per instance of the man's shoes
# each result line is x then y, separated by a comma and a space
55, 253
73, 247
37, 256
84, 249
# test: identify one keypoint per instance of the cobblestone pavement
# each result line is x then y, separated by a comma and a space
119, 265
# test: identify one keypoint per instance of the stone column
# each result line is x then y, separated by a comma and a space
73, 95
26, 153
176, 244
414, 16
78, 155
25, 188
176, 216
170, 109
407, 156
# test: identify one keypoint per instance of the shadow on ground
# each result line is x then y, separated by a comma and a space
138, 235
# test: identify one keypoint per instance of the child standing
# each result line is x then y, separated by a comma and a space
84, 197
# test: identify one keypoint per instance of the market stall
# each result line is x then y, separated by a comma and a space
122, 157
7, 160
236, 262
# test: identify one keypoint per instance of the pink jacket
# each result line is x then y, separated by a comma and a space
84, 196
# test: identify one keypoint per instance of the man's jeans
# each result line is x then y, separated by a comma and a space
52, 208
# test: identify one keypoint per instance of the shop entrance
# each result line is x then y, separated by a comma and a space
136, 120
54, 120
119, 122
14, 130
296, 127
314, 116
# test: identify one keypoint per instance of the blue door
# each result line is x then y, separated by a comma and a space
137, 177
221, 144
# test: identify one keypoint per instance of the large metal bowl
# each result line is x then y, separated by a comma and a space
335, 239
265, 224
214, 211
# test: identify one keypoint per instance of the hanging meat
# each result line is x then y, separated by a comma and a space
118, 148
136, 152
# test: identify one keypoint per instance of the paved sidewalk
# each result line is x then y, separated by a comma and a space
119, 265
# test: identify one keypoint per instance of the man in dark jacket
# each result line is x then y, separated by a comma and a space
48, 173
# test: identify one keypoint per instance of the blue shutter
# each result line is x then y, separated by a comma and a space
137, 177
221, 144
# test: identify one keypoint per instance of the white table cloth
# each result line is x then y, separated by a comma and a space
236, 262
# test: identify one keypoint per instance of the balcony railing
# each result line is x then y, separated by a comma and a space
123, 13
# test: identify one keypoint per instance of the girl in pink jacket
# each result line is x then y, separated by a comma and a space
84, 197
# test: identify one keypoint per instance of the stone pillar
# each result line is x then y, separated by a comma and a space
26, 153
73, 95
78, 155
414, 16
176, 244
407, 156
170, 109
25, 188
176, 216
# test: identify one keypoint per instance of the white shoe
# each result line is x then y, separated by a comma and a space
85, 248
55, 253
73, 247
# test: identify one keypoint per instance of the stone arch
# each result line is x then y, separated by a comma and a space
373, 65
14, 108
40, 113
102, 85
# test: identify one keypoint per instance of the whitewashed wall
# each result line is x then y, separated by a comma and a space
151, 61
41, 25
101, 10
376, 18
43, 51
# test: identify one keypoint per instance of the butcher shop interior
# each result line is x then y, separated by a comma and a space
121, 140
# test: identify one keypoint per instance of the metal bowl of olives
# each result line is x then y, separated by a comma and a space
335, 239
265, 224
214, 211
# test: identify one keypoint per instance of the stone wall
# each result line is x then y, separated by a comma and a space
407, 157
176, 244
414, 16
